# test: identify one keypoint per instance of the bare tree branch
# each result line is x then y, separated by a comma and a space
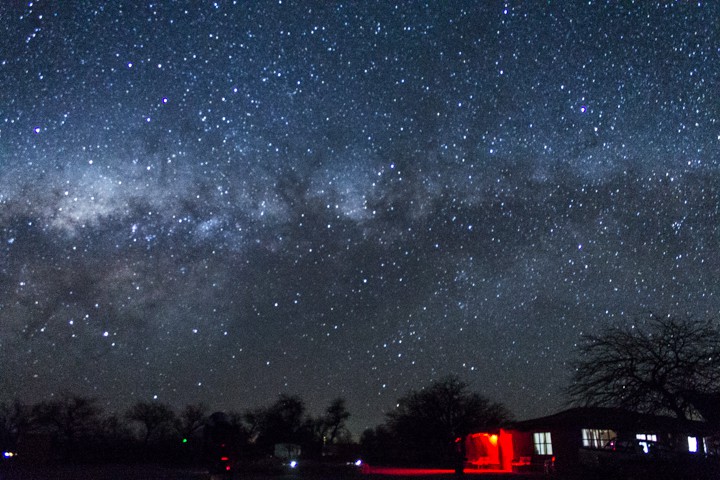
658, 366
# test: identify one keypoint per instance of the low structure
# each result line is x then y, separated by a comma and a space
287, 451
592, 438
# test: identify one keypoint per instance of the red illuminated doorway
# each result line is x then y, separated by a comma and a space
489, 450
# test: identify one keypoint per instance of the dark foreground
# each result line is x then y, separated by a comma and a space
154, 472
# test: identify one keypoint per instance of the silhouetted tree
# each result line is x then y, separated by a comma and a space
428, 421
282, 422
113, 427
70, 417
14, 422
223, 437
157, 419
663, 365
113, 441
242, 436
190, 425
254, 421
334, 421
311, 436
192, 418
380, 445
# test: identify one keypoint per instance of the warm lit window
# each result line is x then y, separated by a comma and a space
692, 444
543, 443
596, 438
645, 439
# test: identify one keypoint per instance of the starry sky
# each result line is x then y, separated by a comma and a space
225, 201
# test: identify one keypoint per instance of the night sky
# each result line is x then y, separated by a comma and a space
225, 201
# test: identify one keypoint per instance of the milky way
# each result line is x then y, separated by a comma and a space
226, 201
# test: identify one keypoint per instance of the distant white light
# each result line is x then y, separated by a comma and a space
583, 109
37, 129
293, 464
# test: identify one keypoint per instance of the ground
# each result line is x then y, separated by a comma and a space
152, 472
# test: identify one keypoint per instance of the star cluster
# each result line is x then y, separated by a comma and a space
223, 201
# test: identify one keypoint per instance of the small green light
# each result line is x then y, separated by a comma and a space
184, 440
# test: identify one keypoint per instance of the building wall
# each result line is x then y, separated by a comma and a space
566, 444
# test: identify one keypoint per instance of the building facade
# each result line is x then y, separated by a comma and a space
594, 438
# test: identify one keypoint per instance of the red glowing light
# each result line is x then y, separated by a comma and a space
224, 459
407, 472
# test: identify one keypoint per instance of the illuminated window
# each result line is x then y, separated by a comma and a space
692, 444
596, 438
543, 443
645, 439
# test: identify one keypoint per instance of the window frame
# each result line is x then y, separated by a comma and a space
542, 443
597, 438
644, 438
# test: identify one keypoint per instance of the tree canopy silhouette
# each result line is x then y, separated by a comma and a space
663, 365
70, 417
15, 419
428, 421
336, 416
282, 422
158, 419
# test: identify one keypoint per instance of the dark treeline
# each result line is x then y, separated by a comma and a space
423, 429
659, 365
74, 428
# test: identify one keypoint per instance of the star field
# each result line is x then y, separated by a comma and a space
224, 201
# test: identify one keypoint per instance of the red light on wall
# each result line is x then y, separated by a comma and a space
227, 468
407, 472
224, 459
